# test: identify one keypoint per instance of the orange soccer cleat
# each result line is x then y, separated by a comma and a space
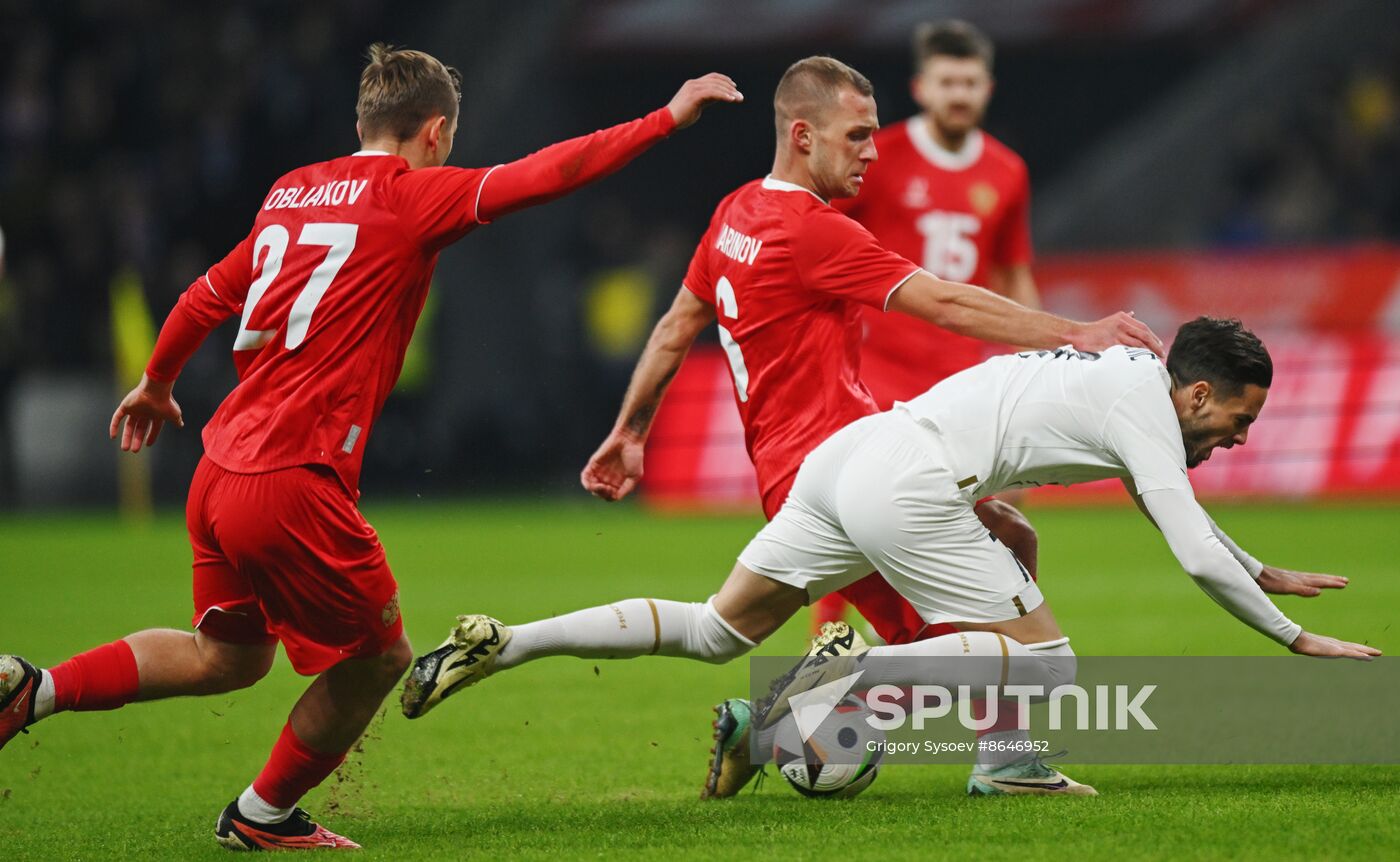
297, 832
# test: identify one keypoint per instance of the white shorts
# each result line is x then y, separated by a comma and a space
877, 496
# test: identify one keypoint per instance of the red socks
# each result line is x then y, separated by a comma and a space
292, 770
102, 678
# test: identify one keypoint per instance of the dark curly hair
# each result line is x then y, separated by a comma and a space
1221, 352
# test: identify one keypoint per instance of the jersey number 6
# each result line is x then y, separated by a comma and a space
729, 307
339, 240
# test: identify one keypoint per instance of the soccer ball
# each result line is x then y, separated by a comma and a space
840, 759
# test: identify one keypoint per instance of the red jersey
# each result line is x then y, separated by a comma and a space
786, 273
959, 215
330, 282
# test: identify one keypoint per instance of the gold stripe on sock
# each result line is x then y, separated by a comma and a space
1005, 659
656, 626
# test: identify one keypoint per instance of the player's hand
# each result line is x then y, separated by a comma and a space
695, 94
614, 469
1322, 646
146, 410
1121, 328
1285, 582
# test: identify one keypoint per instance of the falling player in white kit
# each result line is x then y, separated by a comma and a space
895, 492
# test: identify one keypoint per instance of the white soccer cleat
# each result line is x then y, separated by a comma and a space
1028, 776
467, 657
832, 655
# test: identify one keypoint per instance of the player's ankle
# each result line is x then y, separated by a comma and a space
258, 810
43, 696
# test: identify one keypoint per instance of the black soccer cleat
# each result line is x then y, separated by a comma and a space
467, 657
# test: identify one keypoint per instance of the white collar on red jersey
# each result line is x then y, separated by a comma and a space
371, 153
776, 185
946, 159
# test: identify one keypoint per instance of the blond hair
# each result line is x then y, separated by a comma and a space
812, 85
400, 89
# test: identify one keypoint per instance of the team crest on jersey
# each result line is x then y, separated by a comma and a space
983, 198
391, 610
916, 194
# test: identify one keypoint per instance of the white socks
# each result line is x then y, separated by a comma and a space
1002, 661
259, 810
43, 696
626, 629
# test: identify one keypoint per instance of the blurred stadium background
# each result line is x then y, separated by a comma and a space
1236, 157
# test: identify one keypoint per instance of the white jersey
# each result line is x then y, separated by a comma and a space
1058, 417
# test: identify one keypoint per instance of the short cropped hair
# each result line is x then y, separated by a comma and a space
951, 38
1221, 352
810, 86
401, 89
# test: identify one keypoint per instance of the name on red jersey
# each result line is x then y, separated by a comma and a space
738, 246
331, 194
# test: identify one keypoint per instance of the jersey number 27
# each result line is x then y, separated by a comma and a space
339, 240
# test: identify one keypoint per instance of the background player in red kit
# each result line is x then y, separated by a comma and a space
949, 195
785, 273
329, 285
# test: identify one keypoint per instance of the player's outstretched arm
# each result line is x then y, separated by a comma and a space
980, 313
559, 169
201, 308
1188, 532
614, 469
1272, 579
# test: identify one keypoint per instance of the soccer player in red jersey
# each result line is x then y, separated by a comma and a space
784, 274
328, 285
949, 195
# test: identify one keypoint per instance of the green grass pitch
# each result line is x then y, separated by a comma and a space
563, 759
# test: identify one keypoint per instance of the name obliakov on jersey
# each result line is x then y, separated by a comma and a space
332, 193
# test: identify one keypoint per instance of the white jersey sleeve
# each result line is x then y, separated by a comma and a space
1251, 565
1142, 429
1189, 533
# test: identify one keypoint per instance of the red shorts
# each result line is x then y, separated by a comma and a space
286, 556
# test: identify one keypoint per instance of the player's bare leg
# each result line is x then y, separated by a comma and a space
174, 663
326, 721
147, 665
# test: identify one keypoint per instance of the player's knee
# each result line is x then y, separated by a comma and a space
1011, 527
233, 669
714, 640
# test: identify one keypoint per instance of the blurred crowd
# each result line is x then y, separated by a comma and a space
1326, 169
136, 138
139, 136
